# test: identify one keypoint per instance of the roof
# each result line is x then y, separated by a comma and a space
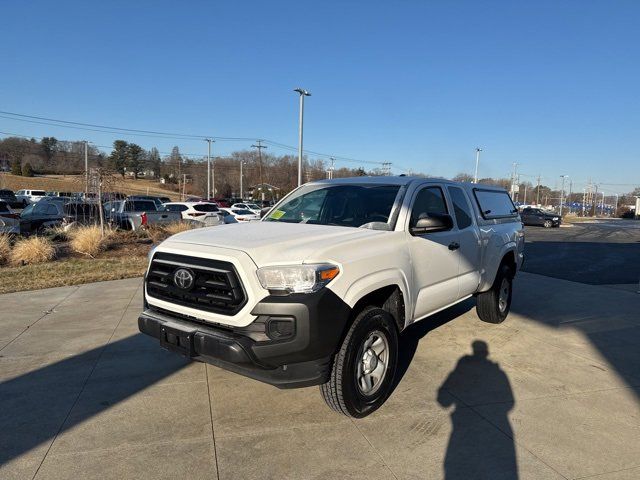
400, 180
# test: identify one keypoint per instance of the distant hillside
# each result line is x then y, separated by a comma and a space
75, 183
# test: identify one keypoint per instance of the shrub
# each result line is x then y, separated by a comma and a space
32, 250
16, 168
5, 248
158, 233
87, 240
27, 170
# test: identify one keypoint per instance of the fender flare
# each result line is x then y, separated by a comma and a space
377, 280
493, 264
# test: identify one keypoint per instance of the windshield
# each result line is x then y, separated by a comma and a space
253, 206
342, 205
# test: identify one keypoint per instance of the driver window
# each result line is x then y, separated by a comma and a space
429, 200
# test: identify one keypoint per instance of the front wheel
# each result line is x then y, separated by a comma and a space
493, 305
548, 224
364, 367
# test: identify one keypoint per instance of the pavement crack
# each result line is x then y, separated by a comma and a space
44, 314
213, 433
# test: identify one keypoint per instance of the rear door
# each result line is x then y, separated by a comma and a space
469, 240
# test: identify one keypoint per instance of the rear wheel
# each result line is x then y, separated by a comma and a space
364, 367
493, 305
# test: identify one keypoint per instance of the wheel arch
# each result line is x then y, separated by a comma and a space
389, 298
507, 255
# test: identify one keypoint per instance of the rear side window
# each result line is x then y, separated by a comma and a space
140, 206
429, 200
495, 204
461, 207
38, 193
205, 207
176, 208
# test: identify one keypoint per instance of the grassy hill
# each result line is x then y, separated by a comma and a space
75, 183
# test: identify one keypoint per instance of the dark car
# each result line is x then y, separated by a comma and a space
539, 217
10, 198
151, 198
39, 216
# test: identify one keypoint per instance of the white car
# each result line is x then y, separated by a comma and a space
242, 215
246, 206
205, 212
27, 197
9, 221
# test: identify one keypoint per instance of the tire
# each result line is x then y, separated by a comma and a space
491, 306
348, 391
547, 224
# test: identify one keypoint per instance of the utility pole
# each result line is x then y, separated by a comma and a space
184, 186
538, 192
615, 209
208, 140
331, 167
602, 205
475, 177
86, 170
259, 146
525, 194
584, 199
562, 193
386, 168
303, 93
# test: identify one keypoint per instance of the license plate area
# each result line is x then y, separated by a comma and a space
178, 341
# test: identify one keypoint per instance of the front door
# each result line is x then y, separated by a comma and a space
434, 255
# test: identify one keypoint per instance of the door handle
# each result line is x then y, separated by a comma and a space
454, 246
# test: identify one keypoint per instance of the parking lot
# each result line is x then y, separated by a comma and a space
551, 393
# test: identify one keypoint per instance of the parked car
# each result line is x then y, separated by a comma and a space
25, 197
296, 300
242, 215
133, 214
10, 197
221, 202
228, 216
44, 214
110, 208
61, 194
205, 212
152, 198
247, 206
9, 221
538, 216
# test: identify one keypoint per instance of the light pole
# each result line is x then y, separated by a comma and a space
259, 146
475, 177
303, 93
208, 140
602, 207
86, 169
241, 193
562, 193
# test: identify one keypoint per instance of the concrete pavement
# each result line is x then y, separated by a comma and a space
551, 393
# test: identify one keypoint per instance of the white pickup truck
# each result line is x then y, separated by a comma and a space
319, 290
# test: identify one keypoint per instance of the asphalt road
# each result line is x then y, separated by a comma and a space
602, 253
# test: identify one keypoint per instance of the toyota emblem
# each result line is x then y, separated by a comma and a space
183, 278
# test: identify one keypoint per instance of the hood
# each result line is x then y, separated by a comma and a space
272, 242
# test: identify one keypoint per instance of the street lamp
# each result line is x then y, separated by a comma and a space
303, 93
562, 193
208, 140
475, 177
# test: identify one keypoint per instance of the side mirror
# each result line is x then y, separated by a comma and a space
264, 211
434, 222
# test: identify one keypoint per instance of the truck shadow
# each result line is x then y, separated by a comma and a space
40, 405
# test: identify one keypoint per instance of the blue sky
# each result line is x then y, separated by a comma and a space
552, 85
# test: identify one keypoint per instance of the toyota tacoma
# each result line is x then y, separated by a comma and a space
319, 291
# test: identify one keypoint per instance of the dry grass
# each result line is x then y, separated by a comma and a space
74, 183
73, 271
87, 240
5, 249
32, 250
158, 233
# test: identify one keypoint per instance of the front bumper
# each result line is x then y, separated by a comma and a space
316, 324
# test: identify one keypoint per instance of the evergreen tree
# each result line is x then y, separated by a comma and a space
119, 156
16, 168
135, 159
27, 171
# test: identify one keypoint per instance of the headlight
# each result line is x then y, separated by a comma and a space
554, 218
297, 278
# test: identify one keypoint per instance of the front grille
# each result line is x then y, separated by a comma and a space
216, 286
